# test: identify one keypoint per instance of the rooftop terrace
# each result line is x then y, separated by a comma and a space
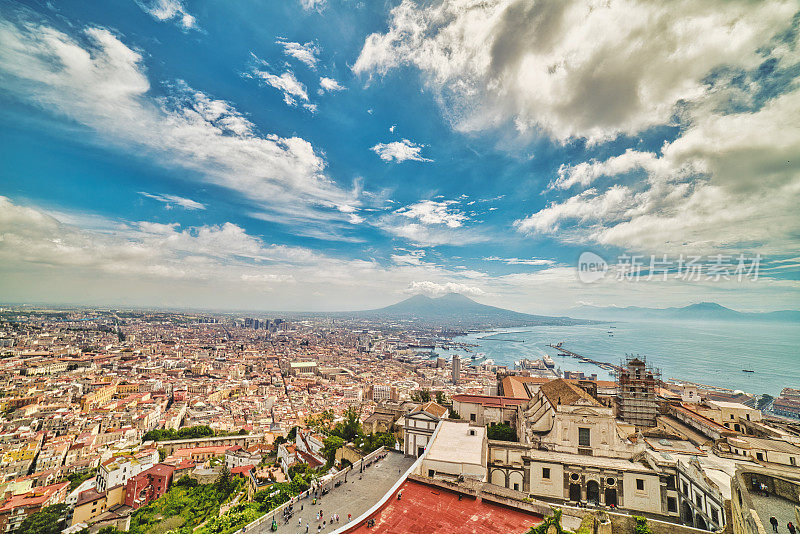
431, 509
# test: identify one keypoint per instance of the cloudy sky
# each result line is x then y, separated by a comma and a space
343, 154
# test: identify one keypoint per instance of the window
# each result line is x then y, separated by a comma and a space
792, 460
731, 416
516, 486
640, 484
584, 437
672, 505
685, 489
714, 515
698, 499
546, 473
759, 456
472, 417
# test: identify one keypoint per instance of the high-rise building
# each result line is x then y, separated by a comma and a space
456, 368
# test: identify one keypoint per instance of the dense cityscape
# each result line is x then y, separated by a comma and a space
400, 267
109, 416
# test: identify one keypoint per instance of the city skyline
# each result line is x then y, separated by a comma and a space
338, 156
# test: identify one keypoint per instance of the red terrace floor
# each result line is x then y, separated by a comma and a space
426, 509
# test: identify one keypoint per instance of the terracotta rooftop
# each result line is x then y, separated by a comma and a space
563, 392
432, 408
431, 509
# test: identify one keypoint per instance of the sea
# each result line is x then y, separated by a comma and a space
711, 352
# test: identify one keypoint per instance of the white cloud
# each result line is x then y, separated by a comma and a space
433, 212
99, 82
164, 10
729, 180
433, 223
412, 257
435, 289
316, 5
521, 261
571, 69
423, 235
587, 172
306, 53
399, 151
329, 84
292, 89
209, 265
170, 200
47, 256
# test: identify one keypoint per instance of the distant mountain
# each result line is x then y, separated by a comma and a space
457, 310
702, 311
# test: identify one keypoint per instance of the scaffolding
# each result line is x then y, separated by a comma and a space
636, 391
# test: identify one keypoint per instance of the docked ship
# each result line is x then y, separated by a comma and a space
548, 362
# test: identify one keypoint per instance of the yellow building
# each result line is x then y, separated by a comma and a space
92, 504
98, 398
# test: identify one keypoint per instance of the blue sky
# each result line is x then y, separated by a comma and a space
307, 154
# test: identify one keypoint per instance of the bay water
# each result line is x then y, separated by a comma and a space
705, 352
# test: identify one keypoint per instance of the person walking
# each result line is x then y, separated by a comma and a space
774, 522
791, 528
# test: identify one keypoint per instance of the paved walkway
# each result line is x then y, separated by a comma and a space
782, 509
356, 496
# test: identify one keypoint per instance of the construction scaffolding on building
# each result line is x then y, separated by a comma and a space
636, 392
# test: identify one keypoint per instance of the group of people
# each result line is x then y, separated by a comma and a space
319, 516
789, 526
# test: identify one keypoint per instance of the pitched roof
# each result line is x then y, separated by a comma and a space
560, 391
514, 385
432, 408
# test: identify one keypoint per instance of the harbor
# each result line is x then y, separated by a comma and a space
602, 365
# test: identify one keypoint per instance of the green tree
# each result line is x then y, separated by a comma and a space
501, 432
48, 520
641, 526
452, 414
76, 479
545, 527
348, 428
441, 400
224, 483
331, 445
425, 395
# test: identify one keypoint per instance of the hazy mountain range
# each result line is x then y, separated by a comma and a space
706, 311
454, 309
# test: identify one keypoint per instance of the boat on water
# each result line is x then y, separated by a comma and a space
548, 361
748, 371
